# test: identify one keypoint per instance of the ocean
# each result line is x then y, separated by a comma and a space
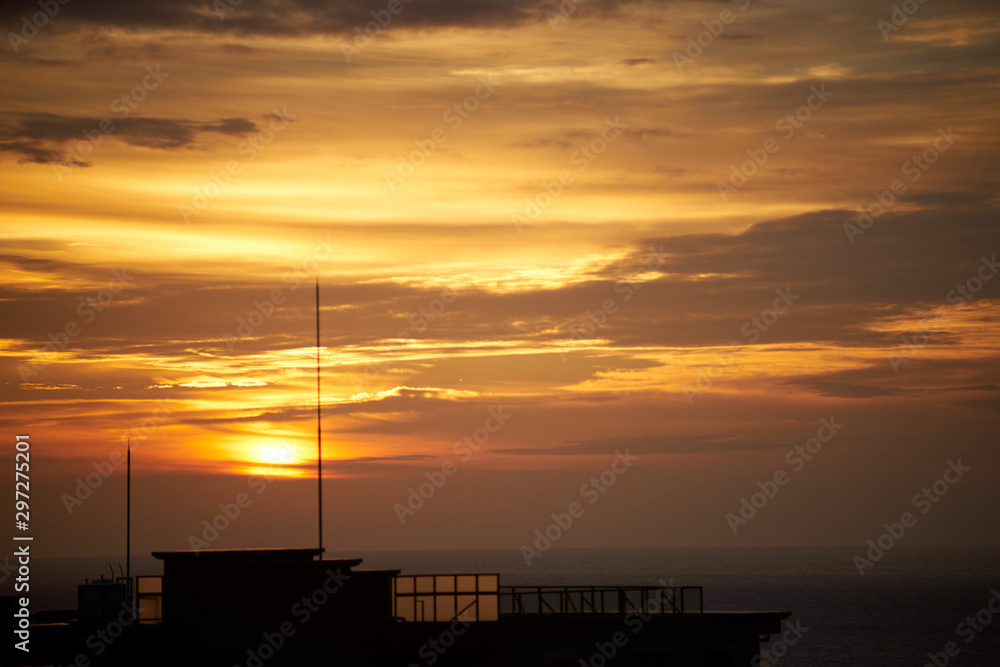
902, 611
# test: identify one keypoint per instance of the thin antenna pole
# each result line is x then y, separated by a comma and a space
319, 431
128, 521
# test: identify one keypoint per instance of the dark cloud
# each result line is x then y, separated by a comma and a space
403, 457
544, 143
991, 403
671, 171
704, 293
298, 17
660, 444
643, 133
45, 138
239, 49
921, 373
307, 17
233, 126
847, 389
982, 387
35, 154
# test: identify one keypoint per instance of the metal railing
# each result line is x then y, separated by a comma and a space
618, 600
446, 597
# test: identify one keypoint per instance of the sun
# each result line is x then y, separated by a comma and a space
276, 459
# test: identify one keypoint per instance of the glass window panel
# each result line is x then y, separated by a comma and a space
446, 583
404, 584
150, 608
149, 584
463, 601
425, 607
445, 608
488, 608
489, 582
466, 609
404, 608
467, 583
425, 584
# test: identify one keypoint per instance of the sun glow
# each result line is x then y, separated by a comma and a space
276, 459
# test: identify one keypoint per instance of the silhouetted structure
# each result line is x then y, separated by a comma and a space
266, 607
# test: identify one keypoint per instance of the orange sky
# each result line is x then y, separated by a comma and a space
621, 229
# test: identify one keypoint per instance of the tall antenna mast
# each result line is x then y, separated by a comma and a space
319, 431
128, 521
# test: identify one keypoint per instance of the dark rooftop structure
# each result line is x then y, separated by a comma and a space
267, 607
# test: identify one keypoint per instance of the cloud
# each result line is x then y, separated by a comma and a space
851, 297
659, 444
923, 373
413, 392
642, 133
833, 388
402, 457
707, 287
46, 138
32, 153
671, 171
231, 126
544, 143
302, 17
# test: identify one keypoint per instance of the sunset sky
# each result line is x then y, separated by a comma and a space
688, 231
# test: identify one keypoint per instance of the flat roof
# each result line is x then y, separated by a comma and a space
250, 555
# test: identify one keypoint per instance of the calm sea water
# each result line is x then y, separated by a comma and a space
908, 605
